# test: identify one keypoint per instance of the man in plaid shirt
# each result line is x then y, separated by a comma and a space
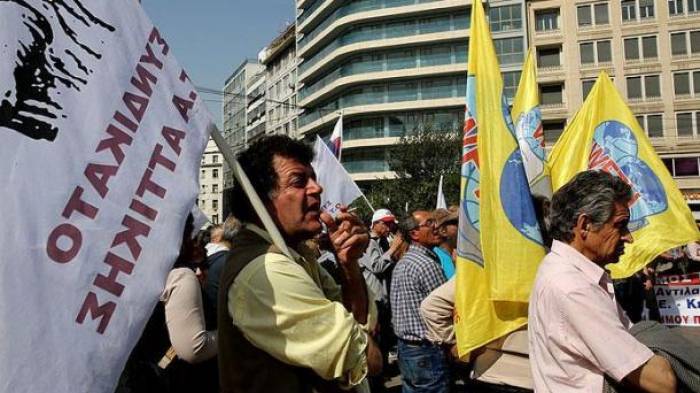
423, 365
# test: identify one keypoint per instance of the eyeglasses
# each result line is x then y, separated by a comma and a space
427, 223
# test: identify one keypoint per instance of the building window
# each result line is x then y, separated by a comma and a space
510, 83
592, 14
646, 9
687, 83
629, 10
204, 188
548, 57
680, 41
637, 48
547, 20
595, 52
552, 130
215, 173
215, 188
652, 124
693, 6
203, 204
586, 87
687, 123
509, 50
506, 18
675, 7
643, 87
215, 158
215, 219
203, 173
681, 166
552, 94
215, 204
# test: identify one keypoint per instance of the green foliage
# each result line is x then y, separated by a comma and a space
418, 160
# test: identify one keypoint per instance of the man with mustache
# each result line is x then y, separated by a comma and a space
578, 333
284, 325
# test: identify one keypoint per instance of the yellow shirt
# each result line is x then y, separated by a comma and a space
293, 311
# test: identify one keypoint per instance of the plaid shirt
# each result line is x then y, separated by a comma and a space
416, 275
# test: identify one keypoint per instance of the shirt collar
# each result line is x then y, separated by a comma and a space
421, 249
590, 270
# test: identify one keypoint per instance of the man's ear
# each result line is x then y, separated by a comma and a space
413, 233
583, 225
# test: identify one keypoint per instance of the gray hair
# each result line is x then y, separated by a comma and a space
231, 227
593, 193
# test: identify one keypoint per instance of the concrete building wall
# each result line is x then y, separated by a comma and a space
656, 75
280, 61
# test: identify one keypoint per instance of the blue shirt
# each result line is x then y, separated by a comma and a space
448, 266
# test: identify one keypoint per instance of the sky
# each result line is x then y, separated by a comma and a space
211, 38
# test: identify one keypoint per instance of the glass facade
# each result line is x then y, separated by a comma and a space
399, 124
506, 18
427, 56
380, 31
390, 92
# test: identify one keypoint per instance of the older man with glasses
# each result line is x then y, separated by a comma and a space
423, 365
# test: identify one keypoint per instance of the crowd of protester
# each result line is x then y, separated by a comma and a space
348, 300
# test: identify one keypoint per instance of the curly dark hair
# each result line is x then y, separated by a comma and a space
256, 161
593, 193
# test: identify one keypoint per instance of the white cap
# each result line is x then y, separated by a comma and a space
383, 215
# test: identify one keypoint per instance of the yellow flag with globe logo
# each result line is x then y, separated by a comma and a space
605, 135
499, 237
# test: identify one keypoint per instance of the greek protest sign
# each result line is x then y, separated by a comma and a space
102, 135
678, 297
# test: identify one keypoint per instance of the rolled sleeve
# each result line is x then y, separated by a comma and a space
600, 336
280, 309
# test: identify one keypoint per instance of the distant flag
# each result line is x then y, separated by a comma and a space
605, 135
499, 243
440, 204
527, 119
338, 186
335, 144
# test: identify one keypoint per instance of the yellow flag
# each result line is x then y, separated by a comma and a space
605, 135
527, 120
498, 232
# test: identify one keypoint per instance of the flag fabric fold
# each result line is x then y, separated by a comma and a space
499, 240
110, 132
335, 143
338, 186
440, 203
605, 135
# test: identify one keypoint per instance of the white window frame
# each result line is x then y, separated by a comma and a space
550, 29
644, 96
638, 13
645, 123
694, 121
596, 60
594, 21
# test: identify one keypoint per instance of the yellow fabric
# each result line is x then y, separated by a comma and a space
292, 311
527, 120
581, 148
502, 269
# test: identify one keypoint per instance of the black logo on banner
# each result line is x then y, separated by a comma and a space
49, 42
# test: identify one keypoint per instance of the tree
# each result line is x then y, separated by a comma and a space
418, 160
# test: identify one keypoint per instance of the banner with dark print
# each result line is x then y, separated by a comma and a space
102, 135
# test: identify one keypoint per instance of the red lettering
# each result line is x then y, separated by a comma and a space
158, 158
109, 283
173, 137
136, 104
150, 58
155, 37
125, 121
55, 252
148, 185
145, 78
114, 143
77, 204
183, 105
104, 312
98, 175
184, 76
134, 229
696, 319
143, 209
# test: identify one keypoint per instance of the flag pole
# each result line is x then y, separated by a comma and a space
243, 180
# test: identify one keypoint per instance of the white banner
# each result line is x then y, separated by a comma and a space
678, 297
338, 186
102, 136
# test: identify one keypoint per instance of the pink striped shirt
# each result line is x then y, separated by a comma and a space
577, 331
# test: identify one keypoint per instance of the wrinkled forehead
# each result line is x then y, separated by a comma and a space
286, 166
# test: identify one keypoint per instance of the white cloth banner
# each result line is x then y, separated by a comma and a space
102, 136
338, 186
678, 298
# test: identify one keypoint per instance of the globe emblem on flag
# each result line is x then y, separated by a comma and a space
615, 150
